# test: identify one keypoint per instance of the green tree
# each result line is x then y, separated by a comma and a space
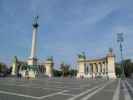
72, 72
57, 73
118, 70
65, 69
128, 67
3, 67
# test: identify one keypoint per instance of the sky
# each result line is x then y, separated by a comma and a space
66, 28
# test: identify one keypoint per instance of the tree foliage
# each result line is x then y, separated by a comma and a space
128, 68
118, 70
57, 73
2, 67
72, 72
65, 69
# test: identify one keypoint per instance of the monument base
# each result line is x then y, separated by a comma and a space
49, 68
31, 69
32, 61
28, 74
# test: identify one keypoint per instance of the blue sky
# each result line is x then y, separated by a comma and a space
67, 27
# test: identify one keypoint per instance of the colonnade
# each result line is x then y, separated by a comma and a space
99, 68
103, 67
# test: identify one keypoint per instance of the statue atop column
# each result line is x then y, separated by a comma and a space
82, 55
50, 58
35, 21
110, 52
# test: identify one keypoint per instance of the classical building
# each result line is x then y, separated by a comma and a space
44, 69
92, 68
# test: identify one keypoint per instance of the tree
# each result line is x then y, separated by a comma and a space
57, 73
72, 72
118, 70
65, 69
128, 67
2, 67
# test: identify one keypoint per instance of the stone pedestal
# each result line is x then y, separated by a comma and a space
111, 66
32, 61
81, 65
14, 66
49, 68
32, 68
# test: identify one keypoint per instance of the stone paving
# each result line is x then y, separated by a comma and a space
65, 89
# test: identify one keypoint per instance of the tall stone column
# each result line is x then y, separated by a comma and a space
33, 58
32, 61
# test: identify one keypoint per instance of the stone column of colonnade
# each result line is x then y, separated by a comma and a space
88, 70
94, 70
104, 69
91, 69
99, 68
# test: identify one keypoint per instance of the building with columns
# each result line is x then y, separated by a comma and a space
44, 68
92, 68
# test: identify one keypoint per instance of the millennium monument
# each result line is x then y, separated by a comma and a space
32, 61
103, 67
33, 57
30, 68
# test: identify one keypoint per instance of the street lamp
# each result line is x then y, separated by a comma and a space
120, 40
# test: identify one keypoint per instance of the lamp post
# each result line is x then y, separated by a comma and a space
120, 40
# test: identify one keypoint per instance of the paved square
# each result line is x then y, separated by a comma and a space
65, 89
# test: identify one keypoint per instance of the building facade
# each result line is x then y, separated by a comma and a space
22, 67
103, 67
